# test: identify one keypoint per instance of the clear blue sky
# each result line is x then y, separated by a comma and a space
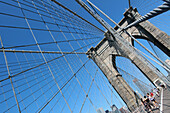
29, 94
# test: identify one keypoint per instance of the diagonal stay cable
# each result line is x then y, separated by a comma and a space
27, 28
92, 78
88, 91
36, 20
133, 77
75, 14
9, 75
43, 63
77, 78
64, 85
27, 8
82, 22
49, 43
43, 9
49, 52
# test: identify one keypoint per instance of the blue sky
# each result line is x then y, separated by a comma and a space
38, 84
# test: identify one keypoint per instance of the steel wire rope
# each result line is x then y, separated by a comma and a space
153, 49
75, 14
21, 91
133, 2
146, 3
47, 62
31, 86
134, 70
103, 88
129, 81
64, 14
47, 6
4, 26
16, 84
15, 69
73, 89
36, 90
98, 87
59, 80
63, 76
133, 84
25, 9
160, 23
32, 80
133, 76
74, 75
88, 91
26, 77
45, 59
34, 70
58, 100
40, 88
31, 6
149, 5
74, 29
161, 20
108, 85
79, 44
30, 95
79, 92
15, 63
110, 89
138, 3
142, 3
122, 39
58, 46
4, 96
157, 51
32, 28
48, 43
36, 20
118, 79
9, 76
137, 88
67, 60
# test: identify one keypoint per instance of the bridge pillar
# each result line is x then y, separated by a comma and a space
145, 30
103, 56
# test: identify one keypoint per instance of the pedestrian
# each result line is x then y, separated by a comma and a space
153, 101
147, 104
150, 102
